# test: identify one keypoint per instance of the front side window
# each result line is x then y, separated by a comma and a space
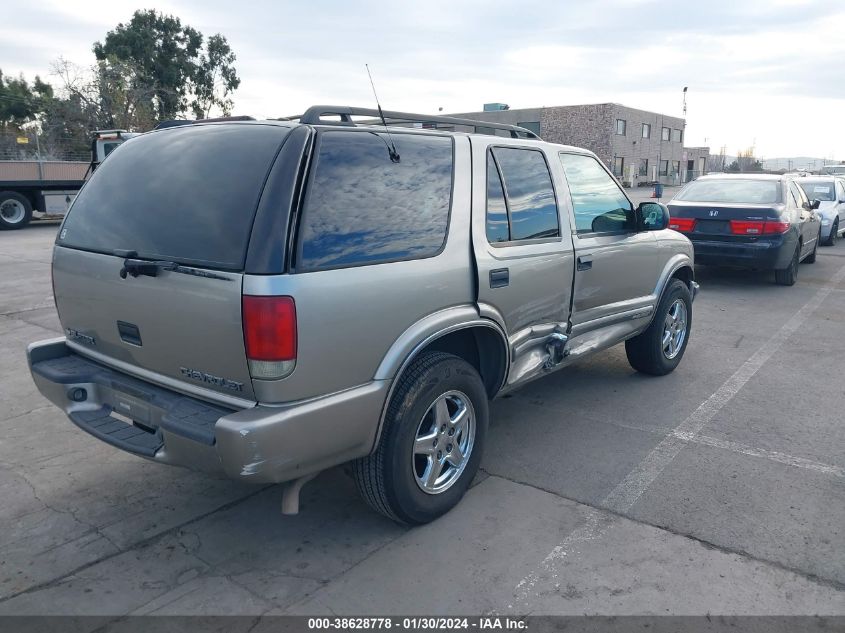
521, 202
665, 134
363, 208
800, 198
840, 188
620, 127
599, 204
664, 167
646, 130
677, 136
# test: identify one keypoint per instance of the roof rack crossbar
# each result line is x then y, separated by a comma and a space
314, 116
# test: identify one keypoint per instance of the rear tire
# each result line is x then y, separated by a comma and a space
438, 409
834, 233
789, 275
15, 210
649, 352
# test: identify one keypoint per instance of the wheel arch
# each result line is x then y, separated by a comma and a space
477, 340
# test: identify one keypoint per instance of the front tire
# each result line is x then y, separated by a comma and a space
15, 210
834, 233
811, 258
659, 349
431, 443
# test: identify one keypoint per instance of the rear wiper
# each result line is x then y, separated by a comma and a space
137, 267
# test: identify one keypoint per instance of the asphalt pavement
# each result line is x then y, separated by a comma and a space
717, 489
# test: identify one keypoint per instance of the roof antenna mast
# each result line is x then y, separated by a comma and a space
394, 155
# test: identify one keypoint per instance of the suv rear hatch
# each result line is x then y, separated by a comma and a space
148, 266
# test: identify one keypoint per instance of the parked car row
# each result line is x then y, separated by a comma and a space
760, 221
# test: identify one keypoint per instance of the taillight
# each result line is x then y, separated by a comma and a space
775, 227
684, 225
269, 335
743, 227
746, 227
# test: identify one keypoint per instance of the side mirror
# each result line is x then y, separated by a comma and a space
815, 204
652, 216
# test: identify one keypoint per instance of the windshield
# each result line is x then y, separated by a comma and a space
823, 191
834, 169
732, 191
186, 194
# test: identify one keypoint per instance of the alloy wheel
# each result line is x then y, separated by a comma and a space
443, 443
674, 329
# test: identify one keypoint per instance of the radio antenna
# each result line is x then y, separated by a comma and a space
391, 148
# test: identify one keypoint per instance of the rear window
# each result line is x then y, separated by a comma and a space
823, 191
362, 208
732, 191
186, 194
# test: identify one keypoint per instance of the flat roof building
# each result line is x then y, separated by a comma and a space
638, 146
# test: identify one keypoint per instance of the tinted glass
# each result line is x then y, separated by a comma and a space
599, 204
497, 213
362, 208
531, 198
823, 191
800, 197
732, 191
186, 194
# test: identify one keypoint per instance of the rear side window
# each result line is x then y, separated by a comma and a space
186, 194
597, 201
362, 208
521, 201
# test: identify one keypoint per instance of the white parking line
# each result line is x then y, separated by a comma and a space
629, 490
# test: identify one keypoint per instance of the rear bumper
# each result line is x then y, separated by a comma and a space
764, 254
261, 444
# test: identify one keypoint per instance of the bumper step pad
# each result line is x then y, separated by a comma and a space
116, 432
180, 415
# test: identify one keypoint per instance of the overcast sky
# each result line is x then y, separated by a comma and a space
764, 72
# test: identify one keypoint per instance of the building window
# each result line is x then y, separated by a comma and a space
646, 130
621, 126
619, 166
534, 126
676, 167
677, 136
664, 166
644, 167
666, 133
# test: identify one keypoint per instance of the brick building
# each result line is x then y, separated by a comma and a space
637, 145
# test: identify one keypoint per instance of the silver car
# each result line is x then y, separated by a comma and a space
830, 192
274, 298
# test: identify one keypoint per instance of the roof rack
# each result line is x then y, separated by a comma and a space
314, 116
178, 122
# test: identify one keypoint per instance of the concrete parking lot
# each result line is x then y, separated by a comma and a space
717, 489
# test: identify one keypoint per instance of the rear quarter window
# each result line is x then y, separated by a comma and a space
362, 208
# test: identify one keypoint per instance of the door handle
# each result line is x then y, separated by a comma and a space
585, 262
499, 278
